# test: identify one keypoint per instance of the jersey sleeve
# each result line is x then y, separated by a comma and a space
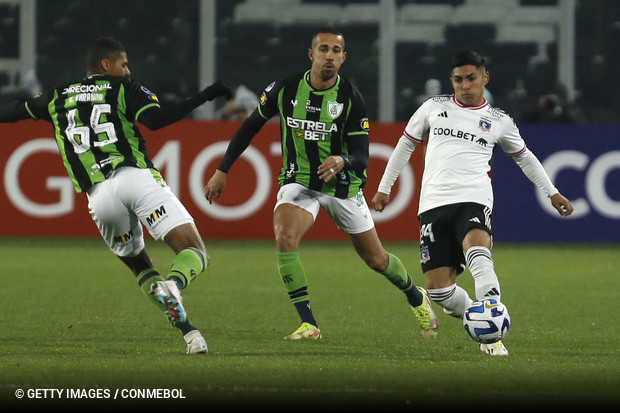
13, 111
137, 99
511, 141
268, 101
37, 106
357, 123
417, 128
357, 128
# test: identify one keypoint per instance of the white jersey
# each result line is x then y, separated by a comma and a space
460, 143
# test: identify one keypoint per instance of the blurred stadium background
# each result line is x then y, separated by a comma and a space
552, 65
565, 48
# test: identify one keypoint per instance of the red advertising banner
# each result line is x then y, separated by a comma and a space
38, 198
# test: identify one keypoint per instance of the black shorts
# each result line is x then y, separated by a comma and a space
442, 231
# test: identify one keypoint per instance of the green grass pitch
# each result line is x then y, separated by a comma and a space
73, 318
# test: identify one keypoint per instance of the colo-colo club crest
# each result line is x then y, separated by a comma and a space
334, 109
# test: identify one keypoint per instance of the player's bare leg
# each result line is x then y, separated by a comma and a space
290, 224
165, 292
370, 249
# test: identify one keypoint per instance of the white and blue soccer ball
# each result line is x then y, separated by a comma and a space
486, 321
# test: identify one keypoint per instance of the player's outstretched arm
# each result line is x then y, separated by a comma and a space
398, 159
215, 186
157, 117
239, 143
217, 89
380, 200
561, 204
13, 112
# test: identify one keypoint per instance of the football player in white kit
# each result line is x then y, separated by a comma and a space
456, 198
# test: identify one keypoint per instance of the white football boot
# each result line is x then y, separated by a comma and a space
494, 349
196, 344
168, 294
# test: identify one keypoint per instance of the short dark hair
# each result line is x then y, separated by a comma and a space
102, 48
468, 57
326, 29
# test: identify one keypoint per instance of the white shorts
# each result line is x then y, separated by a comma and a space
352, 215
128, 197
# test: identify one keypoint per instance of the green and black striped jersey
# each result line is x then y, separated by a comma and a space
314, 125
94, 125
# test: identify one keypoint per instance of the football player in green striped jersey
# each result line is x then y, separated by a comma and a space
324, 141
94, 121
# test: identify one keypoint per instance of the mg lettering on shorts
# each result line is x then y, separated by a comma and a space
123, 239
156, 215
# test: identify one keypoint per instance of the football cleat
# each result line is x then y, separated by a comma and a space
494, 349
196, 344
168, 294
305, 331
427, 319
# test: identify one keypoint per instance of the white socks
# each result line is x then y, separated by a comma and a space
454, 299
480, 264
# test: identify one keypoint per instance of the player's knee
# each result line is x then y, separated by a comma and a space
286, 241
137, 263
376, 261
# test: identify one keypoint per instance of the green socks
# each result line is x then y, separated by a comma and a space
296, 283
145, 279
186, 265
396, 273
294, 278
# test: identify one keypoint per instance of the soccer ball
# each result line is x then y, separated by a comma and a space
486, 321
